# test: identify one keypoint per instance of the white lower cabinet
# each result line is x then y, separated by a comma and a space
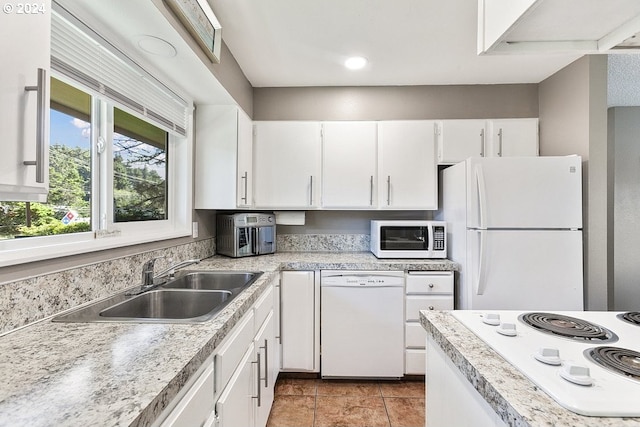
235, 386
448, 390
246, 399
195, 403
235, 405
300, 321
425, 290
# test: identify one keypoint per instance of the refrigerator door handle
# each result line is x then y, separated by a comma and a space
481, 196
480, 280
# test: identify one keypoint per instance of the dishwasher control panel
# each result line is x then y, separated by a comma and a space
361, 278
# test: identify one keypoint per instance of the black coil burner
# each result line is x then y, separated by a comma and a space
632, 317
568, 327
619, 360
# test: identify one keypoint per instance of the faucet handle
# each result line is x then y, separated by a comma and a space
147, 271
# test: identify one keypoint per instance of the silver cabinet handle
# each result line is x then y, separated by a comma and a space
500, 142
246, 179
311, 190
431, 285
481, 142
41, 90
371, 191
431, 307
259, 396
389, 190
266, 364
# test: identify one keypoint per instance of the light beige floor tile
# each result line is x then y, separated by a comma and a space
349, 411
292, 411
405, 411
348, 388
295, 386
402, 388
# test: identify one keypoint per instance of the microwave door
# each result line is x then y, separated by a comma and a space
245, 244
265, 240
405, 238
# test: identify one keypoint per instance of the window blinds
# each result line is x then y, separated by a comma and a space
84, 56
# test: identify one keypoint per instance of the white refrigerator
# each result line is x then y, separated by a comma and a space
514, 225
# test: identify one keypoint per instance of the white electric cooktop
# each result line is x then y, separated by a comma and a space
570, 370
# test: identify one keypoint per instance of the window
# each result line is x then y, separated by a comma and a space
68, 206
119, 156
139, 170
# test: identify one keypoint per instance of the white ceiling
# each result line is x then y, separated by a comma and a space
281, 43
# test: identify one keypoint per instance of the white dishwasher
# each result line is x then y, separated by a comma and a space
361, 324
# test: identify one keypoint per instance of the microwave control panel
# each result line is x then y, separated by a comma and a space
438, 238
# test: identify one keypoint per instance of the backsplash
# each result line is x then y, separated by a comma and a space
322, 242
25, 301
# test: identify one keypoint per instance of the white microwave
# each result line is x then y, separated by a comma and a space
409, 239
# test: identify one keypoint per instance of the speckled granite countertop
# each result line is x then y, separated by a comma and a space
110, 374
514, 398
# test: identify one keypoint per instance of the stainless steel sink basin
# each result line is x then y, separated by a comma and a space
212, 280
169, 304
192, 297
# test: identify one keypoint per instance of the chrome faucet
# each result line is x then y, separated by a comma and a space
149, 278
170, 272
147, 272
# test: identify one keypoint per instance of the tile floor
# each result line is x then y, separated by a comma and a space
329, 403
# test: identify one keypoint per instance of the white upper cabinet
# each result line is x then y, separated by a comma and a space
407, 168
460, 139
287, 164
512, 137
224, 137
349, 164
24, 101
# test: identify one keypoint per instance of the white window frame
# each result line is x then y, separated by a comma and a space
179, 195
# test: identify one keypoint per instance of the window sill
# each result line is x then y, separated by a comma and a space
25, 255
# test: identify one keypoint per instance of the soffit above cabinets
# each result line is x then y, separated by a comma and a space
556, 26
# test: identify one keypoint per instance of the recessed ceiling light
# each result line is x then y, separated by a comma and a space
156, 46
355, 62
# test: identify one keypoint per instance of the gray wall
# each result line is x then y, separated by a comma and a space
624, 137
573, 120
396, 102
228, 72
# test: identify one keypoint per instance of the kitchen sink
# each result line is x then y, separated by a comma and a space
169, 304
191, 297
212, 280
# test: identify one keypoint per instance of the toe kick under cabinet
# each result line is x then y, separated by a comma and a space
425, 290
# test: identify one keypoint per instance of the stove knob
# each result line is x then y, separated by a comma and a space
548, 355
508, 329
576, 374
492, 319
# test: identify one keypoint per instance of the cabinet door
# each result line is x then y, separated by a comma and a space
24, 114
287, 157
265, 351
244, 177
298, 317
235, 407
461, 139
197, 404
513, 137
407, 165
216, 156
348, 164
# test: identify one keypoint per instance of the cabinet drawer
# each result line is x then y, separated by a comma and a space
415, 362
441, 283
415, 303
263, 307
229, 354
415, 335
